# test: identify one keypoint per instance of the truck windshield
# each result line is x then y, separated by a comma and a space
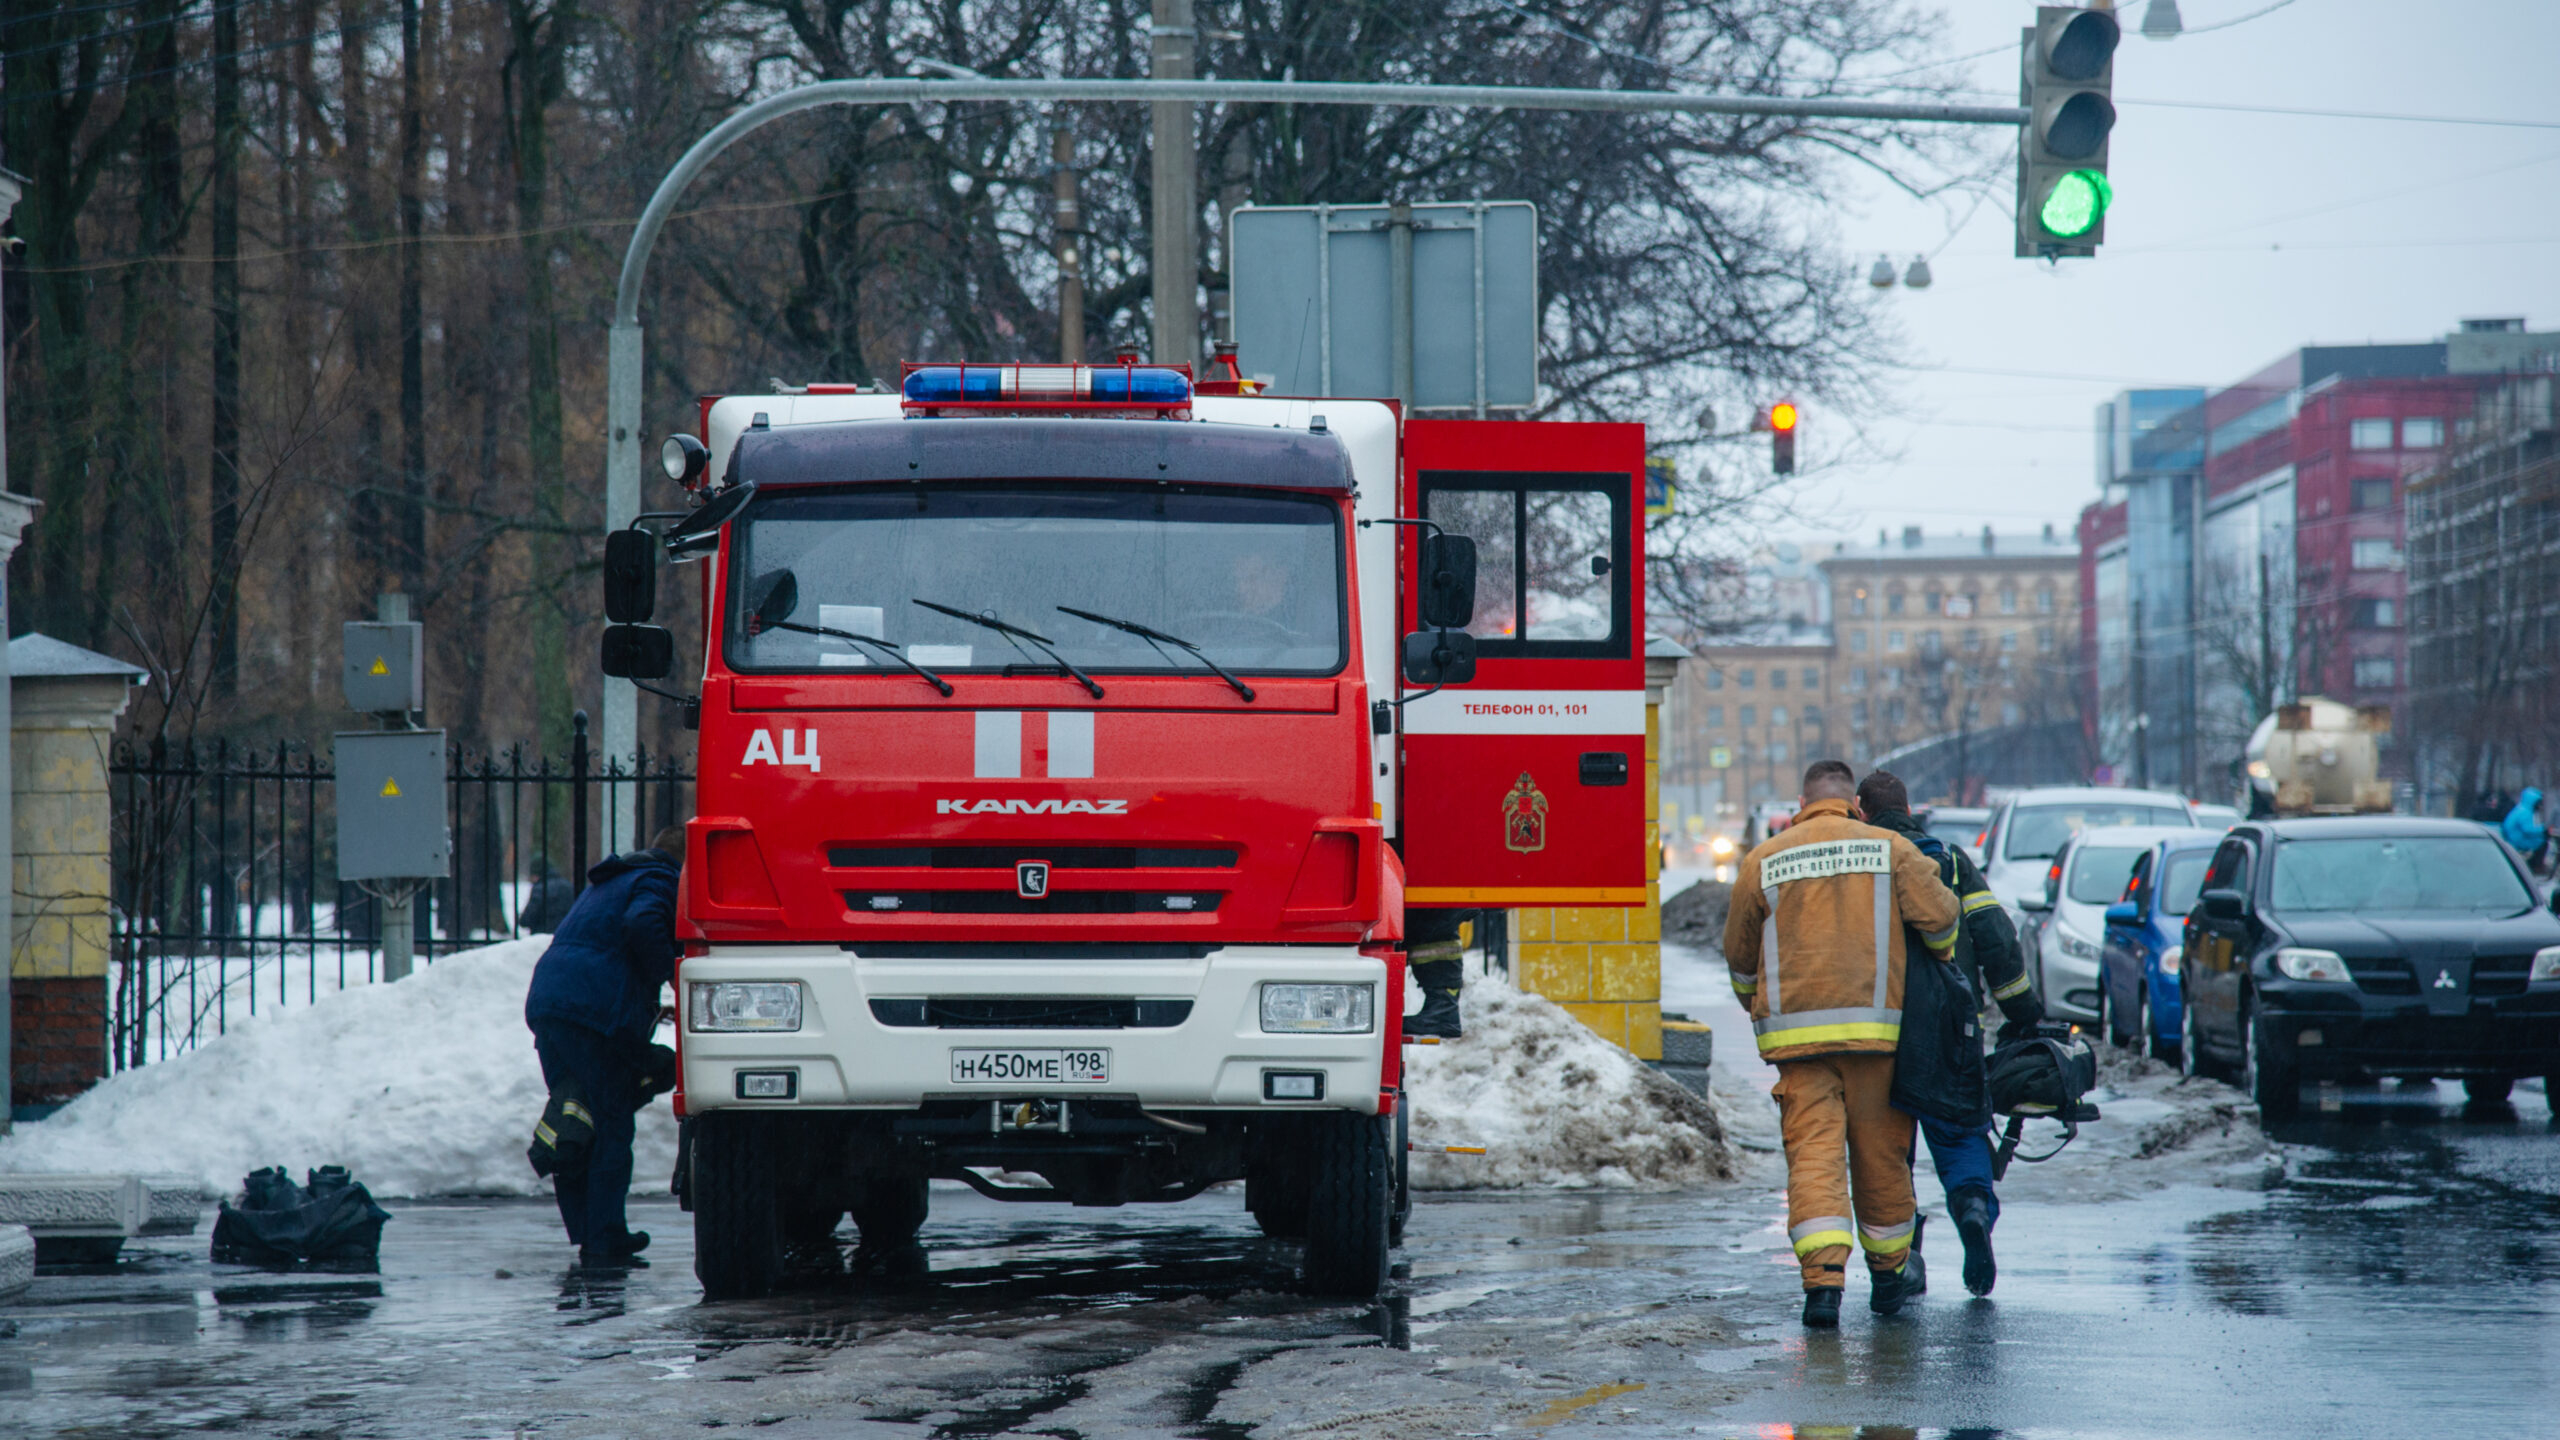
1254, 579
2399, 876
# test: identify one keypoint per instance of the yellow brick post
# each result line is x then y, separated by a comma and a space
64, 702
1604, 963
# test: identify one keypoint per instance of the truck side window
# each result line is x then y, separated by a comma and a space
1551, 558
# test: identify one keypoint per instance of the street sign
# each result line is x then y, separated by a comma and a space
1661, 485
1316, 292
1719, 758
391, 815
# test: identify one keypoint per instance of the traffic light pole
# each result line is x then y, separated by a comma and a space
625, 354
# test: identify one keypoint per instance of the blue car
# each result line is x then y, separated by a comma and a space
2138, 960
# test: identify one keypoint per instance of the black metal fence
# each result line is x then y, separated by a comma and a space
226, 901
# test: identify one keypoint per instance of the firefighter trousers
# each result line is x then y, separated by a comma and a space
1848, 1155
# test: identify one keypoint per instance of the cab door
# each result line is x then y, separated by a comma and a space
1527, 785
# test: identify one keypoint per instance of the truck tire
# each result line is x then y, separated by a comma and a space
1350, 1206
891, 1211
737, 1208
1278, 1184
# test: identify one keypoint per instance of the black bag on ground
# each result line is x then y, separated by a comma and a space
563, 1138
331, 1223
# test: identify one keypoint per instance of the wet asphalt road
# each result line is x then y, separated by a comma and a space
2392, 1267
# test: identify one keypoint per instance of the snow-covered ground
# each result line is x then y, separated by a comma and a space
1553, 1104
424, 1087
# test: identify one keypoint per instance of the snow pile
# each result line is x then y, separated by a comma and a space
424, 1087
1554, 1105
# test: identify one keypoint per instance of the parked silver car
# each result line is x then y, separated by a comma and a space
2086, 876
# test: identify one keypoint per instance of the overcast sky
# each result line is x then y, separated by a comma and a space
2234, 238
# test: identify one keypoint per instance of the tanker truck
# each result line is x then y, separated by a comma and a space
2317, 756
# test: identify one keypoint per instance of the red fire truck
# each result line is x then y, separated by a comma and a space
1077, 745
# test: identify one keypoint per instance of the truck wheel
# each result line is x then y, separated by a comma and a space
1276, 1186
1349, 1206
2488, 1089
1404, 1170
737, 1208
891, 1211
2274, 1084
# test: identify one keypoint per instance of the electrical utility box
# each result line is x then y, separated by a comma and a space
385, 670
391, 804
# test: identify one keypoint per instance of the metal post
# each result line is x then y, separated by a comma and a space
1070, 224
1400, 297
1176, 265
578, 803
399, 937
621, 505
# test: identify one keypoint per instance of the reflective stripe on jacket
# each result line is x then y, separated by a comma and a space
1814, 935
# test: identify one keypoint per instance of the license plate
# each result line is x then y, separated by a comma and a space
1030, 1067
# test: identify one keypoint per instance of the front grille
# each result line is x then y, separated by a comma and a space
1005, 857
2496, 975
2529, 1039
2384, 977
1056, 902
1032, 1012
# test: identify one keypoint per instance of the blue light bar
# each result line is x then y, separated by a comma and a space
1046, 384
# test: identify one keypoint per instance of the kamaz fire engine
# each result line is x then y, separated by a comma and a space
1077, 745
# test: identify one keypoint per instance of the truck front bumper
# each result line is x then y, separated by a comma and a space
848, 1055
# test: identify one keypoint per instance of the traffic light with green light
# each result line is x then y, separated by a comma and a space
2066, 75
1782, 437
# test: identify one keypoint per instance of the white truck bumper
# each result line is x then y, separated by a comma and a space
844, 1056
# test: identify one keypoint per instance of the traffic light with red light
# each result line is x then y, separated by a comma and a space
1782, 437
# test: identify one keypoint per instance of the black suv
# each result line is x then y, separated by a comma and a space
2389, 945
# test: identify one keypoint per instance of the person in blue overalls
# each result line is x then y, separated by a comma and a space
592, 1007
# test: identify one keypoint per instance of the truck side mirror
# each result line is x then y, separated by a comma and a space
1448, 598
638, 652
699, 528
1439, 657
630, 576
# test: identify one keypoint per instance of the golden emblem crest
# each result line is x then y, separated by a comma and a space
1524, 817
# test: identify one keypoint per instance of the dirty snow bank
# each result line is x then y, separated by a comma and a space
424, 1087
1554, 1104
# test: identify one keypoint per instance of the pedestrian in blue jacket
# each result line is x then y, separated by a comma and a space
593, 1007
2523, 827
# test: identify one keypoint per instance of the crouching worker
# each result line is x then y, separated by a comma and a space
1815, 942
593, 1007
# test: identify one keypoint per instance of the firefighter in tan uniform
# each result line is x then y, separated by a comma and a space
1814, 940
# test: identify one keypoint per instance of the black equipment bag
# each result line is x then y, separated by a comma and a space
563, 1138
657, 1072
331, 1223
2043, 1076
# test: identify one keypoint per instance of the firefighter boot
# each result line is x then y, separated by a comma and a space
1439, 972
1972, 1211
1822, 1308
1894, 1288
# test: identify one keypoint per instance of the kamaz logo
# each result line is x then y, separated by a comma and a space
1030, 807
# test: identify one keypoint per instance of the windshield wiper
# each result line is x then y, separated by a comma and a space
890, 647
1004, 627
1151, 635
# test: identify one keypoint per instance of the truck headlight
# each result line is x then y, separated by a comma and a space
717, 1005
2546, 964
1318, 1009
2301, 964
2075, 946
